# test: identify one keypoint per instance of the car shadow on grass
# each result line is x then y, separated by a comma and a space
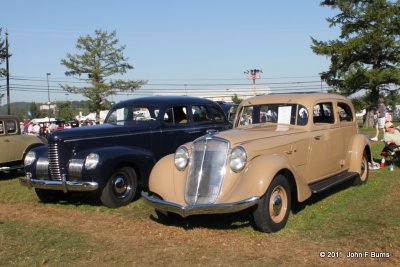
228, 221
9, 175
315, 198
79, 199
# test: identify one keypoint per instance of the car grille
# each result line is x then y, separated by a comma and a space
54, 163
206, 170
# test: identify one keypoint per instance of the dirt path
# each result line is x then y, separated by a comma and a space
131, 242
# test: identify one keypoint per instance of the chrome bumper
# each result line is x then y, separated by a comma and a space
198, 209
58, 185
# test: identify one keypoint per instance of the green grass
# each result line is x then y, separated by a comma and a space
29, 244
364, 217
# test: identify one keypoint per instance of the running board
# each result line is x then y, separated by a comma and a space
327, 183
10, 168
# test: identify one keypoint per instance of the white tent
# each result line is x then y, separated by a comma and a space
43, 120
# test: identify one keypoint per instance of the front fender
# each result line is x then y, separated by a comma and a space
114, 157
255, 179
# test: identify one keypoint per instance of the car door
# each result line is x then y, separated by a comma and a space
325, 153
176, 128
12, 143
4, 143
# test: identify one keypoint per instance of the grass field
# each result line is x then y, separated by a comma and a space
363, 221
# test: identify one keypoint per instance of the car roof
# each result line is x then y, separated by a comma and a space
164, 101
296, 98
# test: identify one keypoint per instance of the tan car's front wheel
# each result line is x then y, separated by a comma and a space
272, 212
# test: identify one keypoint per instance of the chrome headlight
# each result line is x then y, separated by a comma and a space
181, 158
29, 158
238, 159
91, 161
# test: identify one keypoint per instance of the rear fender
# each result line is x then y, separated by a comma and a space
358, 146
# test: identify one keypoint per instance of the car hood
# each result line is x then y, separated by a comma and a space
241, 136
102, 130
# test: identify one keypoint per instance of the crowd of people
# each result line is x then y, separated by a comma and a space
46, 128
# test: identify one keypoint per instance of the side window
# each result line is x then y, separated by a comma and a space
302, 115
322, 113
11, 126
1, 127
345, 113
176, 115
216, 114
200, 114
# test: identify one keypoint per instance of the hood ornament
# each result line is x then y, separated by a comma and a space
211, 131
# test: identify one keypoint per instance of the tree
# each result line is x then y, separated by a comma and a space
35, 112
65, 111
3, 57
236, 99
367, 55
100, 59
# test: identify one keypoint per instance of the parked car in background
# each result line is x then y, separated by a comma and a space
229, 109
282, 147
114, 159
13, 144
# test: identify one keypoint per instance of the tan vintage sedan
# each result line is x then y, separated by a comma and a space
13, 144
281, 147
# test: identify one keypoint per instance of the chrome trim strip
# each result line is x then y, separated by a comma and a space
58, 185
198, 209
107, 136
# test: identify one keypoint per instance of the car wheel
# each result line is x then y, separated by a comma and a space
363, 177
120, 189
52, 196
272, 211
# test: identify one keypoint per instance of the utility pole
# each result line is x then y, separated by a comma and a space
253, 74
8, 77
48, 92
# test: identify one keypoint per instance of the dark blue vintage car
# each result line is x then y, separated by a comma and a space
115, 159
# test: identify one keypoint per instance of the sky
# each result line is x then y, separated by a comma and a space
179, 47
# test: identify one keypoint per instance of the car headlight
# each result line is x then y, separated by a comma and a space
238, 159
29, 158
181, 158
91, 161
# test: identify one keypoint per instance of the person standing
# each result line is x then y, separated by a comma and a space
381, 113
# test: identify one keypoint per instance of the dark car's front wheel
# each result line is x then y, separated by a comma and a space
121, 188
272, 212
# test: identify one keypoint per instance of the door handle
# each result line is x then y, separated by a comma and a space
317, 137
192, 132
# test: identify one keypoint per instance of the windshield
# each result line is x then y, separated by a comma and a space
142, 114
290, 114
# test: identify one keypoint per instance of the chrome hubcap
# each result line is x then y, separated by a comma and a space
120, 185
277, 204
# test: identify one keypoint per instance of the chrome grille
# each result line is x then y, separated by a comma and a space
54, 163
206, 170
42, 168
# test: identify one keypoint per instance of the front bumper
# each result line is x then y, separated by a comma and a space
63, 185
198, 209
